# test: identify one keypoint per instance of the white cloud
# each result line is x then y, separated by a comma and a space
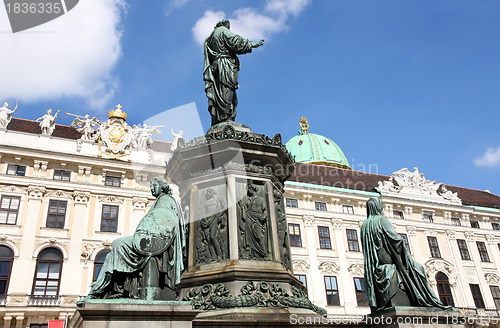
173, 5
250, 22
490, 158
72, 56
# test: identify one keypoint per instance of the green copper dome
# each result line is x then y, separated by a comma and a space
316, 149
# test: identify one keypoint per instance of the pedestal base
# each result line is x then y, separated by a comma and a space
133, 314
410, 317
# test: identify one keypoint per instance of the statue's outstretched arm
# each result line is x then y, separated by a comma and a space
258, 44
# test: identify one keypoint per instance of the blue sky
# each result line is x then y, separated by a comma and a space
394, 83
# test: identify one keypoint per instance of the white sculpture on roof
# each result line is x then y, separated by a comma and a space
142, 135
48, 122
177, 136
85, 125
6, 115
404, 183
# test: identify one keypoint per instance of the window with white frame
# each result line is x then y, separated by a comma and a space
348, 209
9, 209
292, 202
62, 175
14, 169
320, 206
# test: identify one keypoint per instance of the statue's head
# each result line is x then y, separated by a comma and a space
375, 206
252, 189
223, 22
49, 111
163, 184
5, 104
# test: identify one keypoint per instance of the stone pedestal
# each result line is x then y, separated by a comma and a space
231, 181
410, 317
133, 314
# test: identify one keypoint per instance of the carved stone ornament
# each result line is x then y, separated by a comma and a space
406, 184
58, 194
262, 294
469, 236
357, 269
13, 189
492, 278
235, 166
491, 239
329, 267
450, 234
337, 223
116, 137
300, 265
433, 266
36, 192
53, 242
110, 199
81, 197
140, 202
471, 275
411, 230
308, 220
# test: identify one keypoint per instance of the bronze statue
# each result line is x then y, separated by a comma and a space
220, 70
213, 222
149, 264
392, 277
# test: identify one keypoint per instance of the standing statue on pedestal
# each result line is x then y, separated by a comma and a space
6, 115
155, 252
392, 277
48, 123
220, 70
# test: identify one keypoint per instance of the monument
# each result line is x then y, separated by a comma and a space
395, 284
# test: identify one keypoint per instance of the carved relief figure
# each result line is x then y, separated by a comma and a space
155, 250
6, 115
214, 226
282, 230
48, 122
253, 216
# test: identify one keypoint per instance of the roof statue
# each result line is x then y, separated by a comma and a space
48, 122
142, 135
404, 183
304, 126
177, 137
6, 115
85, 125
220, 70
392, 277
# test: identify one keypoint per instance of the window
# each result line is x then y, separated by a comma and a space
6, 258
456, 222
405, 239
476, 295
495, 292
39, 325
112, 181
16, 170
332, 291
302, 278
428, 217
48, 273
359, 284
324, 238
433, 246
56, 214
294, 232
109, 218
483, 252
444, 289
320, 206
495, 226
99, 261
464, 251
62, 175
348, 209
398, 214
9, 208
290, 202
474, 224
352, 240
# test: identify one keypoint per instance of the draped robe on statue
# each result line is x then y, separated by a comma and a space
126, 258
220, 72
388, 264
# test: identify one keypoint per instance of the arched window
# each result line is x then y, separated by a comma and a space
444, 289
99, 261
6, 257
48, 273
